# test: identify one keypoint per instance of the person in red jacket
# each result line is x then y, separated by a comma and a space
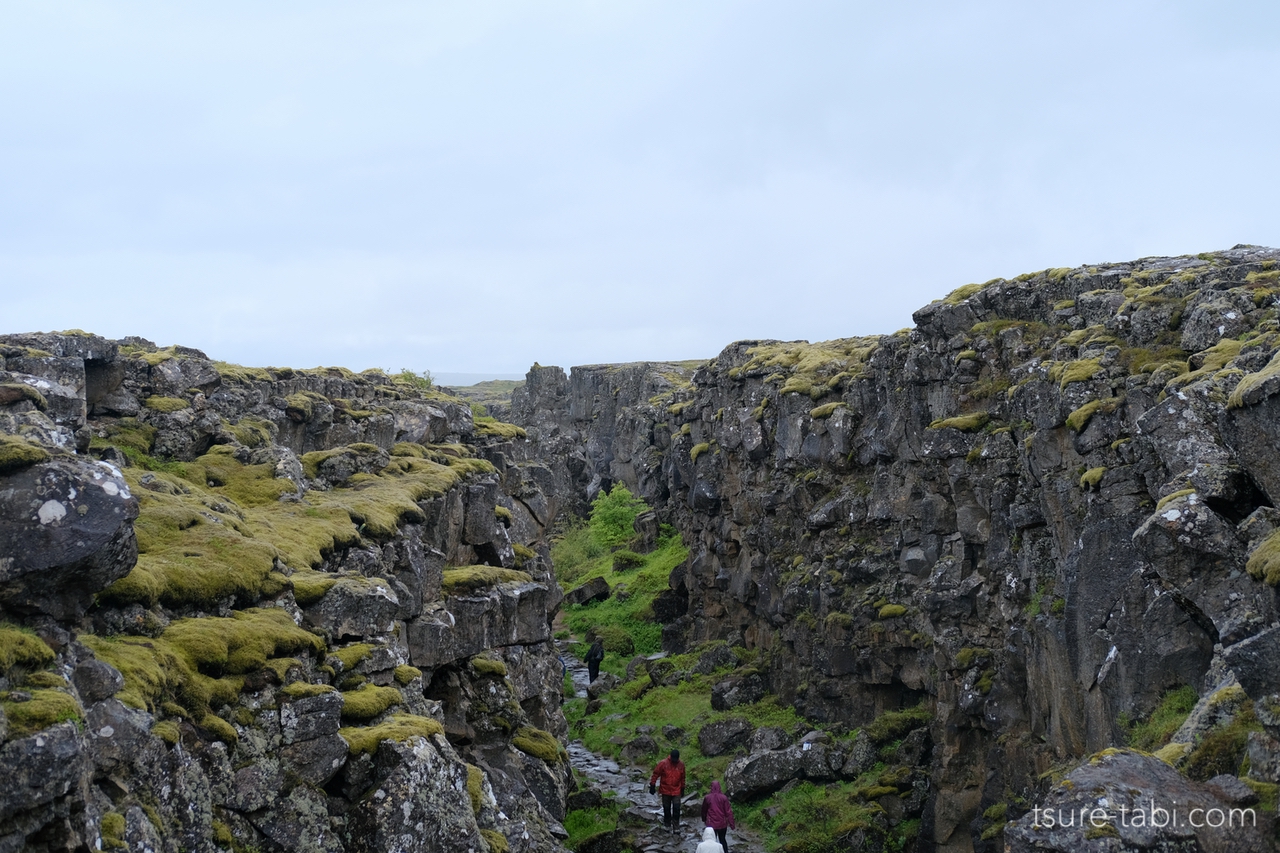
669, 779
717, 814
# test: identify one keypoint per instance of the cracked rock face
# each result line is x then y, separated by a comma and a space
1043, 508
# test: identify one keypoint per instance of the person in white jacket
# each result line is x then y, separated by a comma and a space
709, 843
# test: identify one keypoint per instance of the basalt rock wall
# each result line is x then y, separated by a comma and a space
265, 609
1037, 511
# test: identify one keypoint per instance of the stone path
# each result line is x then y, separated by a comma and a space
631, 784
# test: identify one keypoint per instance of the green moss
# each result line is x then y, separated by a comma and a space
368, 701
1264, 562
523, 554
966, 355
112, 831
253, 432
894, 724
301, 406
1252, 381
1215, 359
468, 579
405, 448
166, 404
475, 788
1223, 749
309, 587
488, 666
1173, 496
971, 655
44, 679
303, 690
222, 834
220, 729
699, 449
215, 527
129, 435
1075, 371
45, 708
16, 453
168, 731
539, 744
1079, 419
996, 812
891, 611
405, 674
1268, 794
241, 643
985, 682
964, 423
21, 647
353, 654
495, 841
1092, 478
26, 392
962, 293
401, 727
501, 513
495, 427
826, 410
805, 368
201, 662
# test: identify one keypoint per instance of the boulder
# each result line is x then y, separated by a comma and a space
737, 690
596, 589
1136, 802
724, 736
765, 772
65, 533
356, 607
717, 657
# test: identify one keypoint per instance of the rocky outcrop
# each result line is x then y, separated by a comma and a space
1033, 515
267, 609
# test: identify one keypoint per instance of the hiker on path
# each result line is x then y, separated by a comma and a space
669, 776
717, 814
709, 843
594, 657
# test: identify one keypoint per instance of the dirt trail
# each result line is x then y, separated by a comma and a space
631, 784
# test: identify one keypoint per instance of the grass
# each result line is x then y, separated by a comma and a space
584, 823
1159, 726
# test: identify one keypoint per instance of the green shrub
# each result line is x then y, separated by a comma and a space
613, 516
623, 560
1156, 730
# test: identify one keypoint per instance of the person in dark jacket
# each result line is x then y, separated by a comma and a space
594, 656
717, 814
669, 776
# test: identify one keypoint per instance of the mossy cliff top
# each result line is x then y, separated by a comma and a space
293, 530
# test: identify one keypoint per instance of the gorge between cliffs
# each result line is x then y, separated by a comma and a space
935, 590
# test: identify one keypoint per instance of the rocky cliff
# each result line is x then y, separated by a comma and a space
1033, 519
267, 610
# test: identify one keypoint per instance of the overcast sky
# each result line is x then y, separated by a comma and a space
474, 186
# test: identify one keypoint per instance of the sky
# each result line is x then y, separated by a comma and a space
476, 186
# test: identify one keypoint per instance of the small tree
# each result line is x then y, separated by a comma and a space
613, 516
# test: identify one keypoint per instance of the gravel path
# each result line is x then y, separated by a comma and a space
631, 784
